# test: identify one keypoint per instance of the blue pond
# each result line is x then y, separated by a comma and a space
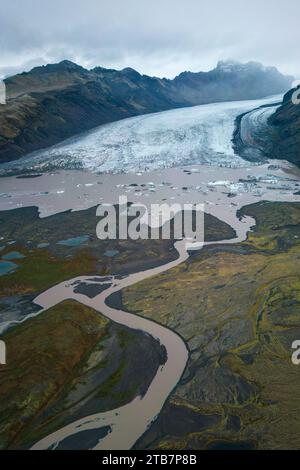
42, 245
7, 267
13, 255
111, 253
76, 241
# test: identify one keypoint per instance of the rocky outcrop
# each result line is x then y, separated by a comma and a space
56, 101
285, 123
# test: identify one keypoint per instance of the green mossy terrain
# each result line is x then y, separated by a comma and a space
43, 267
70, 362
238, 308
66, 363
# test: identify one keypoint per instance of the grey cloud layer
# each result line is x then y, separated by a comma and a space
161, 37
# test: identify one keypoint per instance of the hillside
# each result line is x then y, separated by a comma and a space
285, 123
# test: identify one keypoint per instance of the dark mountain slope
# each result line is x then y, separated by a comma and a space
231, 81
285, 123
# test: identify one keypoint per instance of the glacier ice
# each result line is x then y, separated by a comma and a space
194, 135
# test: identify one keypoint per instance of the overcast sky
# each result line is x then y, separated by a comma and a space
156, 37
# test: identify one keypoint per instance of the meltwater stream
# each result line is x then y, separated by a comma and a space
129, 422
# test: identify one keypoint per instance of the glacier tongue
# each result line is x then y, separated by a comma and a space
199, 134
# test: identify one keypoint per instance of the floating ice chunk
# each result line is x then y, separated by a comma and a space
40, 193
249, 179
212, 184
281, 187
242, 187
274, 167
268, 179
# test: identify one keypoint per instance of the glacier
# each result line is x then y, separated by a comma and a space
194, 135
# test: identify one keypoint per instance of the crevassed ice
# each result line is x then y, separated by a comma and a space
199, 134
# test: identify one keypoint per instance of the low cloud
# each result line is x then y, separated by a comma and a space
162, 37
